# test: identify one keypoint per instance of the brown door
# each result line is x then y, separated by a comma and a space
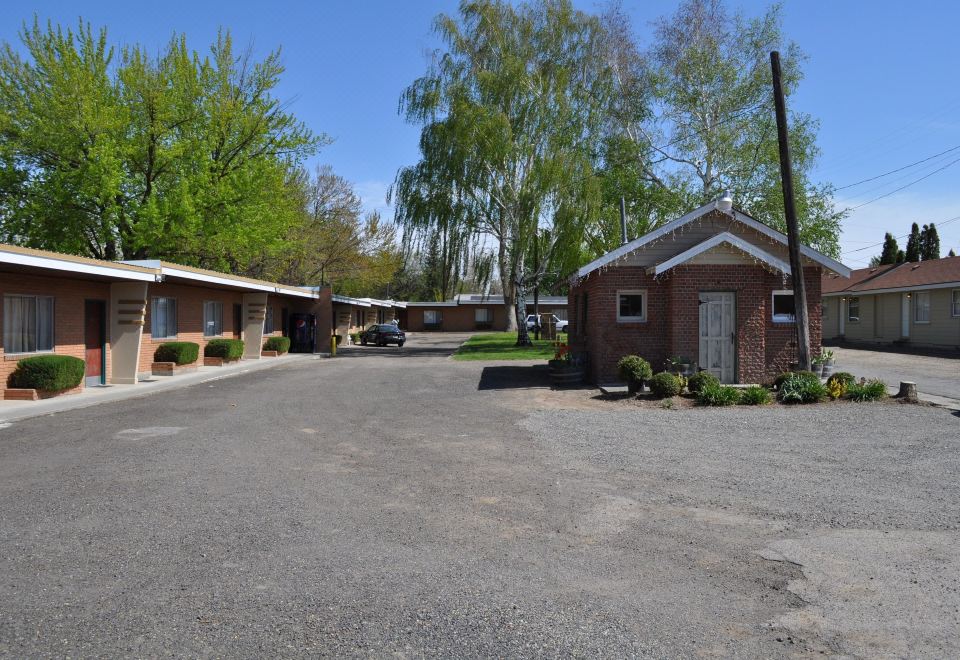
94, 338
237, 320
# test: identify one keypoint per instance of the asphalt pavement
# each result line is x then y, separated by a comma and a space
395, 502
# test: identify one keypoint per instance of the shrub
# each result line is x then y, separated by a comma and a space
634, 369
872, 390
778, 381
279, 344
665, 385
801, 387
699, 380
355, 337
755, 396
180, 352
49, 373
715, 394
228, 349
839, 383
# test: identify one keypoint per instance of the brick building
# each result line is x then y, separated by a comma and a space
114, 315
713, 286
468, 312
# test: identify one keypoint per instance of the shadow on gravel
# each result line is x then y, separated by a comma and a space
514, 378
394, 352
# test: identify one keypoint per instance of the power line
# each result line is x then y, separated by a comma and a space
896, 190
870, 247
899, 169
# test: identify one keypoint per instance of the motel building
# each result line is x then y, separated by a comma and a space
114, 315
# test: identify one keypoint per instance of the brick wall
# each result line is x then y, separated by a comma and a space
68, 309
763, 348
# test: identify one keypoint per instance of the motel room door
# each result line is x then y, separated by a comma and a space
95, 339
718, 334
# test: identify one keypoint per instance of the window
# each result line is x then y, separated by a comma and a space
853, 309
632, 305
432, 317
163, 318
212, 319
27, 324
922, 307
561, 313
824, 308
955, 303
482, 315
784, 308
268, 321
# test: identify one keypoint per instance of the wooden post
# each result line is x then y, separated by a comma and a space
790, 211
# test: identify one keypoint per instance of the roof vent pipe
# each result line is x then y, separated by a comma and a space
623, 222
725, 203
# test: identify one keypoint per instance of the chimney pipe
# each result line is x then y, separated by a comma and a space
623, 222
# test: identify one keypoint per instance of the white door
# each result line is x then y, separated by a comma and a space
905, 315
718, 334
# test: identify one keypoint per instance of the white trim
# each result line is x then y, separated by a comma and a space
613, 255
714, 241
773, 314
632, 319
896, 289
51, 263
347, 300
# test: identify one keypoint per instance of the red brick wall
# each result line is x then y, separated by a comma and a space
457, 319
763, 349
68, 309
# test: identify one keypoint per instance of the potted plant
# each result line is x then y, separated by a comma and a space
563, 368
827, 357
679, 365
635, 371
817, 365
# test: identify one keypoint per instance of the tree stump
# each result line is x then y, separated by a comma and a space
908, 391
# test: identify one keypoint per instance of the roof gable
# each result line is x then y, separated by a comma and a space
740, 217
723, 238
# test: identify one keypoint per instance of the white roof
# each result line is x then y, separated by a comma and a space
714, 241
673, 225
347, 300
19, 256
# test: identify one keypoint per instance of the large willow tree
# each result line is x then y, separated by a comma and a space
513, 112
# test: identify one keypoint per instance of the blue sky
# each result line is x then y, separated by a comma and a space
880, 77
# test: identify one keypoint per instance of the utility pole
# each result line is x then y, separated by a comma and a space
790, 211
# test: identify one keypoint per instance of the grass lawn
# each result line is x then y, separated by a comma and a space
501, 346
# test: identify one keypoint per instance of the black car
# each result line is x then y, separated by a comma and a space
382, 334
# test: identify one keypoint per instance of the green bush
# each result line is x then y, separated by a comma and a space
180, 352
714, 394
339, 339
778, 381
872, 390
49, 373
355, 337
755, 396
665, 385
279, 344
801, 387
699, 380
634, 369
228, 349
838, 384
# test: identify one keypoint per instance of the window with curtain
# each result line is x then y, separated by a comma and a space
955, 303
483, 315
163, 318
212, 318
27, 324
922, 307
268, 321
853, 309
432, 317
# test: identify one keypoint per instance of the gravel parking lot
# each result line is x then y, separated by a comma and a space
933, 375
395, 502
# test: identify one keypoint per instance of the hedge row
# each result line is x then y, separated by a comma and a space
228, 349
278, 344
48, 373
180, 352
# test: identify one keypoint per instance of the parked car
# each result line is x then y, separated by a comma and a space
382, 334
532, 322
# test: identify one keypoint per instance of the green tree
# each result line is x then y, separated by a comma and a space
913, 244
128, 155
715, 128
512, 115
951, 253
890, 250
929, 242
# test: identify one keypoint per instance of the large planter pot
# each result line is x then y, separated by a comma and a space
634, 386
827, 370
562, 376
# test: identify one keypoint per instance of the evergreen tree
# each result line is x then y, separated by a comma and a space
951, 253
901, 256
890, 250
913, 244
929, 243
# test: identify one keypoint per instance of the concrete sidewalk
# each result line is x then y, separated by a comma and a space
11, 411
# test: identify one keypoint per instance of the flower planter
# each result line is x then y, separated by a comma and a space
268, 354
562, 373
634, 386
216, 361
171, 368
28, 394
